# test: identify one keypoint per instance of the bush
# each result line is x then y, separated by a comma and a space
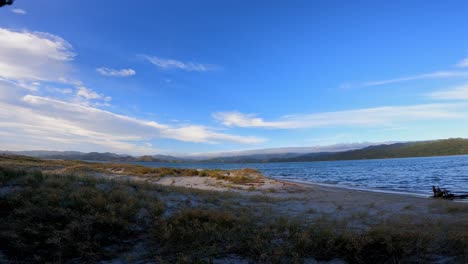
7, 174
55, 218
202, 232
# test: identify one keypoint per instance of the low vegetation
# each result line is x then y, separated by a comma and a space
51, 217
54, 218
82, 168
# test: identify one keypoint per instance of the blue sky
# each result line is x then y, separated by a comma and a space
206, 76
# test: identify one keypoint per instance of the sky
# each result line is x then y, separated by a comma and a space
181, 77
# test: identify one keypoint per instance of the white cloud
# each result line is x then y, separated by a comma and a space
463, 63
201, 134
19, 11
37, 111
379, 116
34, 56
63, 91
37, 122
87, 94
248, 120
175, 64
457, 93
31, 59
116, 73
89, 97
424, 76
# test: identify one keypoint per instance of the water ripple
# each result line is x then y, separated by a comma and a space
412, 175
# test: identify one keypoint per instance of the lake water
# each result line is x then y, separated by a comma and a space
408, 175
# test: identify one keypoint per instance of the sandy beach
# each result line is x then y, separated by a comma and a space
249, 187
312, 201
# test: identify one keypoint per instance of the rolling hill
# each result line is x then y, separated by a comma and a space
445, 147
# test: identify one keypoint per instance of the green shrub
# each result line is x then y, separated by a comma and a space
191, 172
196, 232
7, 174
239, 179
55, 218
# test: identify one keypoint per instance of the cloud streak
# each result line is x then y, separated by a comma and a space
168, 64
456, 93
424, 76
116, 73
378, 116
463, 63
19, 11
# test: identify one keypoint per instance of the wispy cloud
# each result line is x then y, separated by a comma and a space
202, 134
36, 122
19, 11
456, 93
116, 73
463, 63
415, 77
87, 93
379, 116
179, 65
88, 97
63, 91
432, 75
250, 120
34, 56
39, 62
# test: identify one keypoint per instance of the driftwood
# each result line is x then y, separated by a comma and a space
446, 194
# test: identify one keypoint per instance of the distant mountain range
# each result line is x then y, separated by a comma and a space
94, 156
444, 147
277, 152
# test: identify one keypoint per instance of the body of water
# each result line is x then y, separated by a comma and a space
408, 175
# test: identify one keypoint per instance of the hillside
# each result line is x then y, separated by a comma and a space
254, 158
445, 147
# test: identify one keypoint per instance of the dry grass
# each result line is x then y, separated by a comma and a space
81, 168
53, 218
56, 218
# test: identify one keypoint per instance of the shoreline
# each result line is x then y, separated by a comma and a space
338, 160
346, 187
418, 182
307, 201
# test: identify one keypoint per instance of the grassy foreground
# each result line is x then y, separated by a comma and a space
60, 218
